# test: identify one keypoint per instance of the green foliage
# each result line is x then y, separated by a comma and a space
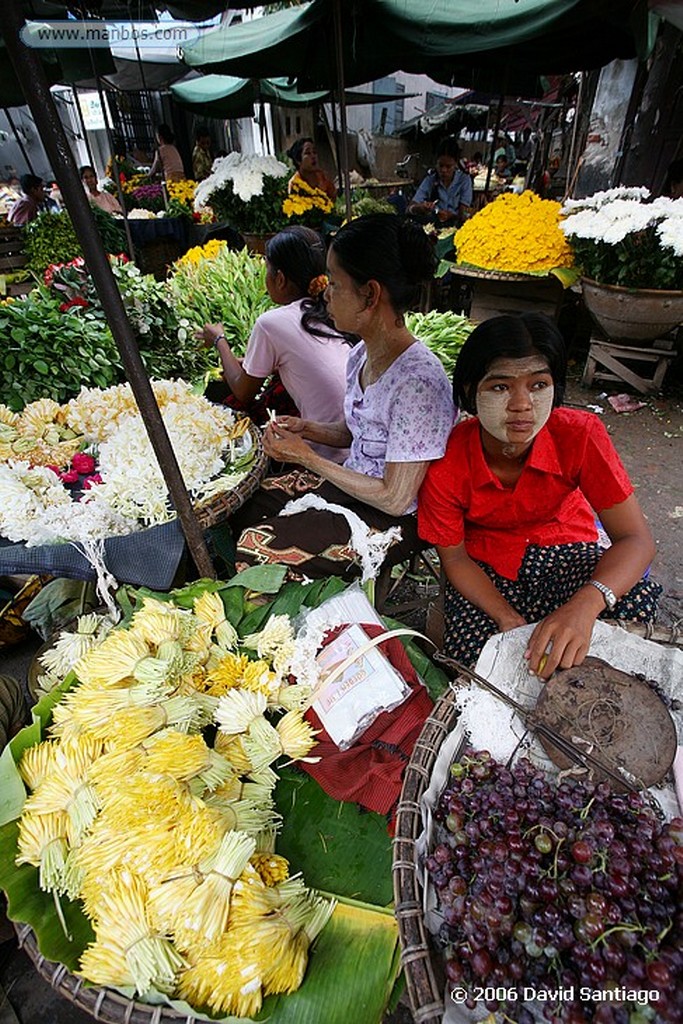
444, 333
261, 214
638, 261
51, 238
50, 353
229, 288
362, 204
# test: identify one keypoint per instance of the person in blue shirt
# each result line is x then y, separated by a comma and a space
445, 194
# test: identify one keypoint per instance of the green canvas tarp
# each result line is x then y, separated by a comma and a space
224, 96
464, 43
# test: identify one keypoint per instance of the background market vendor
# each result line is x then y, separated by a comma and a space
445, 194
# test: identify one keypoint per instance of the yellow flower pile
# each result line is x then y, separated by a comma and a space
515, 233
39, 434
130, 184
169, 843
305, 199
199, 253
183, 191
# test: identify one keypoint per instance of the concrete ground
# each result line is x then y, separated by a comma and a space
649, 441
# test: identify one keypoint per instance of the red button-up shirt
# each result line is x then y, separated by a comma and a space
571, 472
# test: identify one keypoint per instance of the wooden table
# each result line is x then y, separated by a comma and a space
607, 361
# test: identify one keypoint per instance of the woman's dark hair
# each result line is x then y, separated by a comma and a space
508, 337
84, 168
165, 134
385, 248
448, 147
296, 149
299, 252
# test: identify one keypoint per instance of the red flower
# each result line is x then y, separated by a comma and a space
122, 177
83, 463
55, 469
91, 480
196, 216
70, 477
77, 300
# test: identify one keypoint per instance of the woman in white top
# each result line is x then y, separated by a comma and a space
297, 340
105, 200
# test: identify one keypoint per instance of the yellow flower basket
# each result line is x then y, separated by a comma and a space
517, 234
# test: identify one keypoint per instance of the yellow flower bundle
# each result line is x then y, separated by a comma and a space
169, 843
39, 434
199, 253
515, 233
182, 191
304, 198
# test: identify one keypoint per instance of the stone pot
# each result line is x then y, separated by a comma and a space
632, 315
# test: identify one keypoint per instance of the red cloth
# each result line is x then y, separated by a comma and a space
370, 772
571, 469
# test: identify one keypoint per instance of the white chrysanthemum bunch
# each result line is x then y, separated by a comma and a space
26, 494
246, 172
610, 216
38, 434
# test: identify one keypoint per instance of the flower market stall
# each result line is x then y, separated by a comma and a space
204, 907
630, 253
514, 256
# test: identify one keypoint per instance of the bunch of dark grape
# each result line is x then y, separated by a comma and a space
550, 885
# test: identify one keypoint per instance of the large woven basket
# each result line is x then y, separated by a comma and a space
216, 510
104, 1004
425, 979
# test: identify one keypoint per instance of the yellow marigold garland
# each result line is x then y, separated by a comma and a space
515, 233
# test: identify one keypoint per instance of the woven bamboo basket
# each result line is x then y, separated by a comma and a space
103, 1004
425, 978
216, 510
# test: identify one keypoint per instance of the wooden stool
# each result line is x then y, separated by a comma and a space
612, 355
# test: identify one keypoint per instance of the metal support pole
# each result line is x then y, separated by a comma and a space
496, 129
32, 78
112, 149
81, 121
20, 144
339, 53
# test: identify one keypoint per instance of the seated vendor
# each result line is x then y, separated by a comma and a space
398, 413
304, 156
297, 340
511, 507
445, 194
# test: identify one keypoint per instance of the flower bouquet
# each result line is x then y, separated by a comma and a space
620, 238
247, 191
307, 205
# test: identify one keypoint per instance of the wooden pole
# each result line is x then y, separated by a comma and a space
32, 78
341, 93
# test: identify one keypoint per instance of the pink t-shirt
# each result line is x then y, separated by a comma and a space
312, 369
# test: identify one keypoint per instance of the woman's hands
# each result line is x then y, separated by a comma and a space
562, 639
283, 440
209, 333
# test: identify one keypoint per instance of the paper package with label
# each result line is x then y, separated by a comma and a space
348, 702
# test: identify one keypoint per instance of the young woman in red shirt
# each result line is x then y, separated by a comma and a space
511, 506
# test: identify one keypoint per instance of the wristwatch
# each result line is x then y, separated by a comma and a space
607, 592
219, 337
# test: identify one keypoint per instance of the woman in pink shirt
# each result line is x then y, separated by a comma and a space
297, 340
168, 162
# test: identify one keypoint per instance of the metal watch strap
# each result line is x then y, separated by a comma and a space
607, 592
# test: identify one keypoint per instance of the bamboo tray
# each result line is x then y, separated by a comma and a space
216, 510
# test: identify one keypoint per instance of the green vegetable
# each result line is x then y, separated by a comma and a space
443, 332
51, 238
228, 289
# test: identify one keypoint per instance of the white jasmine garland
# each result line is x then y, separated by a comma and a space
26, 493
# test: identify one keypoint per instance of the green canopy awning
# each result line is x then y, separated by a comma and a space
449, 41
223, 96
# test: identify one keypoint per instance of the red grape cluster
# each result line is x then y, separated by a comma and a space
558, 886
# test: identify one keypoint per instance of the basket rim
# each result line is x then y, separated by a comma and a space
465, 270
215, 510
102, 1003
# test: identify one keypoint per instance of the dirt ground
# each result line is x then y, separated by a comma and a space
649, 442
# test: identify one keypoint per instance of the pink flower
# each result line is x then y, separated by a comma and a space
83, 463
55, 469
70, 477
91, 481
